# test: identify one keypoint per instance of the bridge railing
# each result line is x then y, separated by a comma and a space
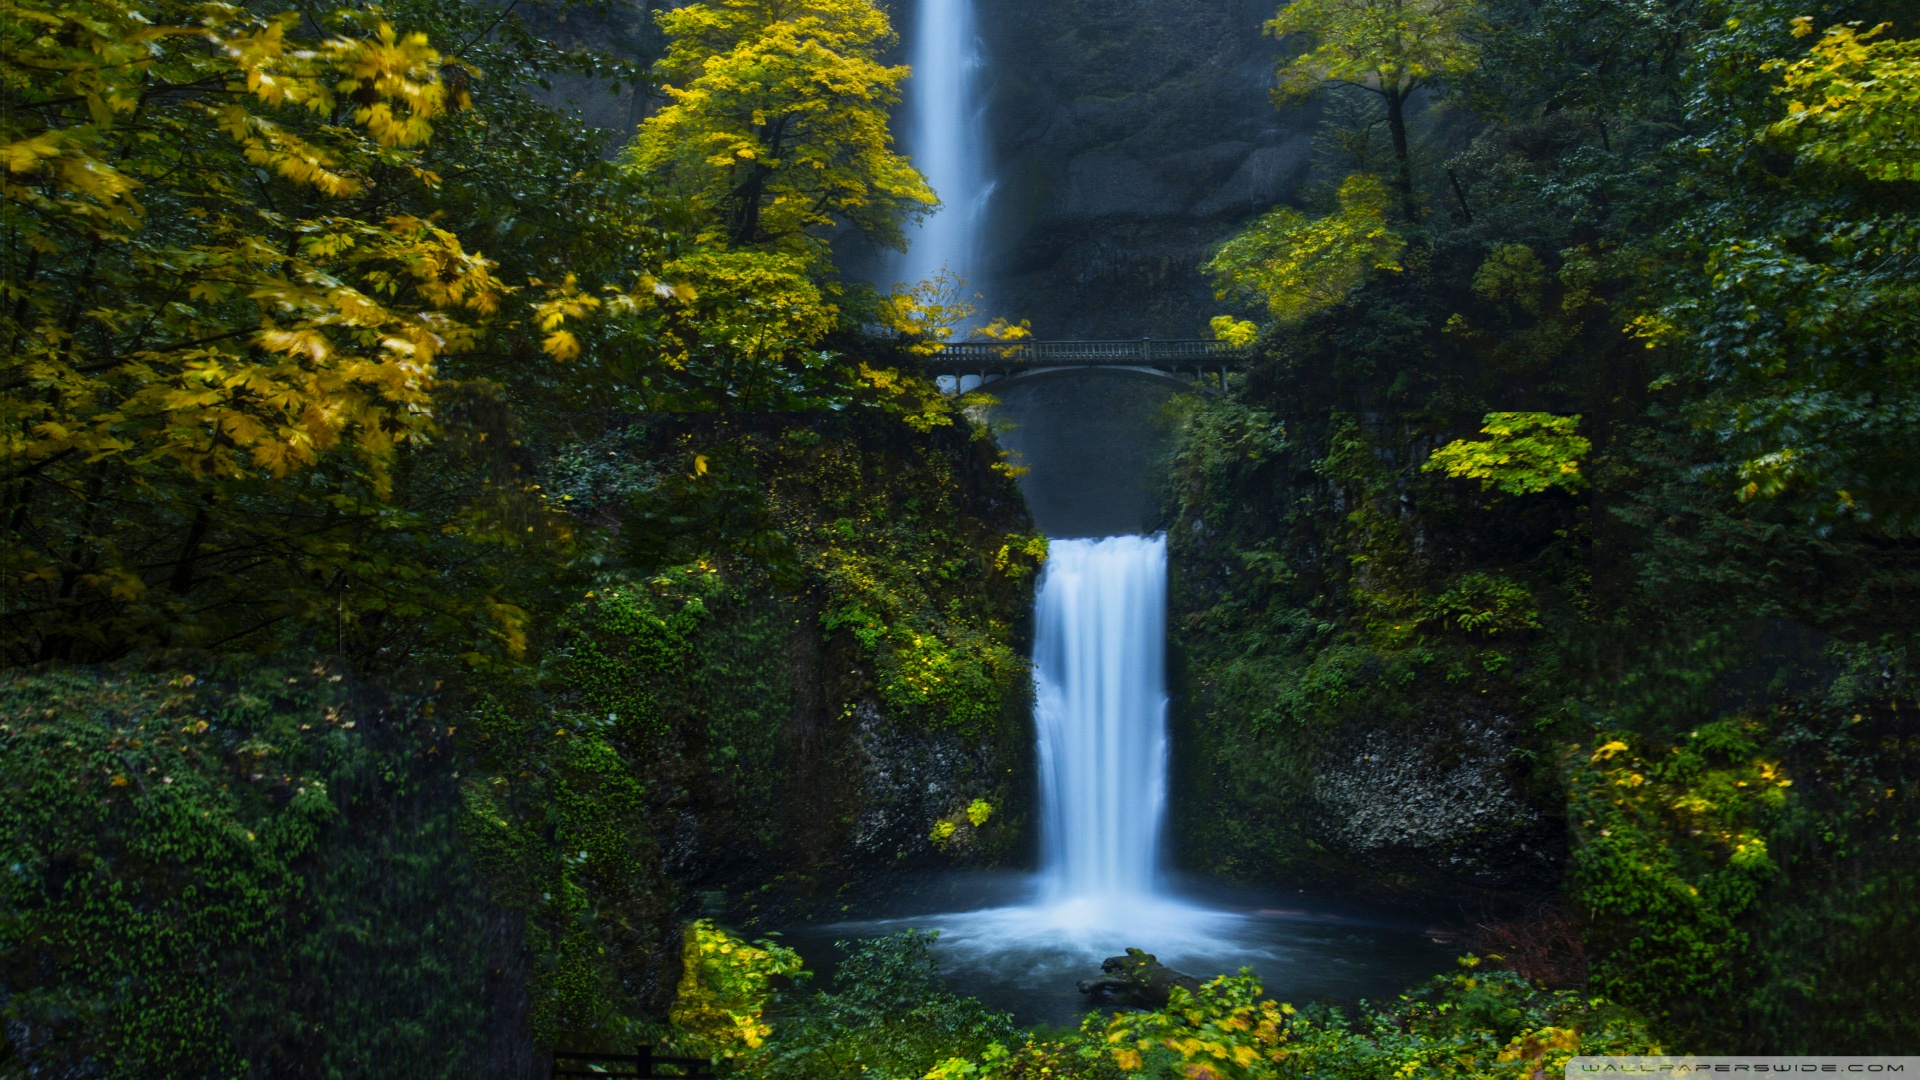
1144, 352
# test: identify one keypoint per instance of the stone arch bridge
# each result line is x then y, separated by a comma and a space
1190, 363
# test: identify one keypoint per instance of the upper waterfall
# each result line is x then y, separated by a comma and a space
945, 136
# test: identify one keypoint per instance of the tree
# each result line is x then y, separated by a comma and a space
1527, 453
1788, 297
225, 306
1298, 265
1389, 47
778, 123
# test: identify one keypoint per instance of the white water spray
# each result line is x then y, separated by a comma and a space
946, 139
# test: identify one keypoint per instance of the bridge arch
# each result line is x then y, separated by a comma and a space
1173, 379
1189, 363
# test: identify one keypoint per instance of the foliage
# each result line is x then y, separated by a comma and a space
1851, 101
1233, 331
1389, 47
725, 990
195, 890
1793, 324
1392, 46
222, 297
778, 121
887, 1015
1488, 604
1528, 453
1471, 1024
1668, 911
1298, 265
1511, 274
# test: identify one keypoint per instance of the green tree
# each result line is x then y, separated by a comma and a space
1388, 47
1786, 299
1524, 454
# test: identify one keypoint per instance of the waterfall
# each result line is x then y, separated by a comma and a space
1101, 704
945, 137
1100, 719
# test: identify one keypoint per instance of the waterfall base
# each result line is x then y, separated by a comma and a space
1026, 954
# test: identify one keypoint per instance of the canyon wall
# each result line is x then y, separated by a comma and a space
1128, 140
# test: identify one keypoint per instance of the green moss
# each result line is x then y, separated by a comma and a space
820, 569
203, 879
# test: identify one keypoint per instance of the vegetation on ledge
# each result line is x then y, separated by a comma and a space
1558, 548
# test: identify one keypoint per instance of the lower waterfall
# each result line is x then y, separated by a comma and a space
1101, 716
1100, 719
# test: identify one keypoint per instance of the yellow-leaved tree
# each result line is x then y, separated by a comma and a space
778, 122
1388, 47
1854, 100
211, 304
776, 132
1297, 265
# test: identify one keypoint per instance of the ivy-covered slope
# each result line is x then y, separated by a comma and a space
756, 735
227, 867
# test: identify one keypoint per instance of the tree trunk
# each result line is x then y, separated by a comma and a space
1397, 125
746, 214
182, 579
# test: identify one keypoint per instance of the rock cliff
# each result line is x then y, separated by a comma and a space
1128, 139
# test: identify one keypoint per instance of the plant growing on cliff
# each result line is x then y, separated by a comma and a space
1298, 265
1524, 454
1388, 47
725, 989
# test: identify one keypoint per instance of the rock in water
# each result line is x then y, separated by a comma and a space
1138, 979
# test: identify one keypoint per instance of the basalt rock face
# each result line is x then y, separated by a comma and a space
1128, 140
1094, 445
1437, 801
907, 778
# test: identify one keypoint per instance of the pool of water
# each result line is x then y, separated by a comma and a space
1000, 942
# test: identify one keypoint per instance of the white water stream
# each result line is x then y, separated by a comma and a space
945, 136
1101, 715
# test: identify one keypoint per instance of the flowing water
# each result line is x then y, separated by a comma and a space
1101, 720
1100, 710
945, 136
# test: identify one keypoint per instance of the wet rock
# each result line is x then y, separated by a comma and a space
1442, 797
1137, 979
909, 779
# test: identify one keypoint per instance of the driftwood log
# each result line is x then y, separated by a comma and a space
1138, 979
